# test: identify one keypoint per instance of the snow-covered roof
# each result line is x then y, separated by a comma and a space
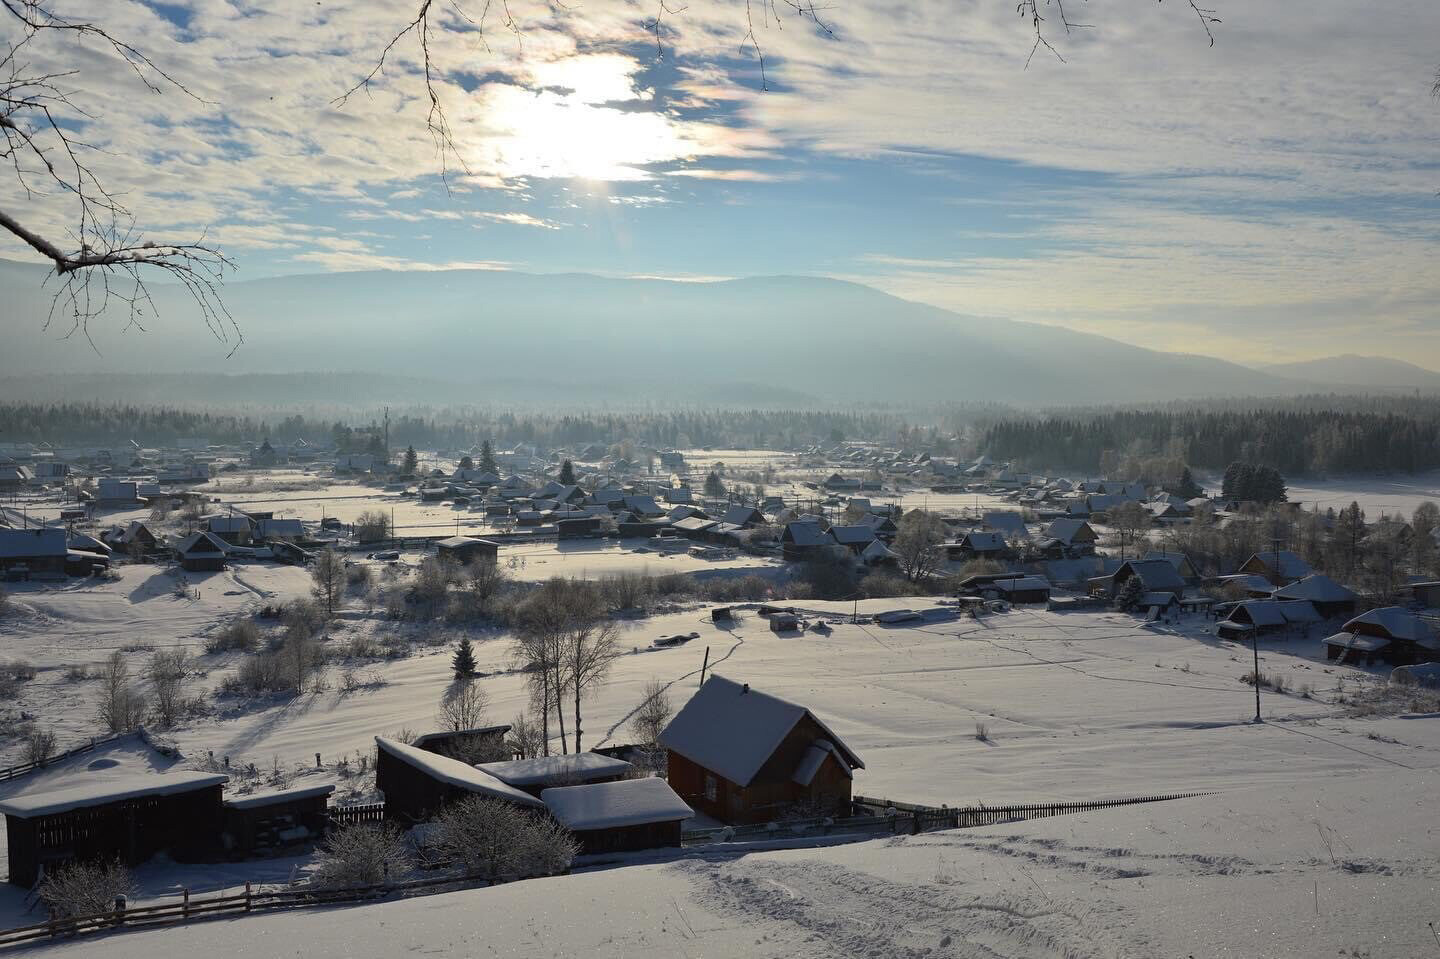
576, 767
627, 802
985, 542
1155, 574
1263, 612
108, 789
461, 542
732, 729
1316, 587
1020, 584
1395, 622
814, 758
200, 544
1291, 566
853, 535
26, 543
454, 772
1005, 522
277, 796
807, 533
1366, 644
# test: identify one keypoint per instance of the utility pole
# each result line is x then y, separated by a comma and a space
387, 434
1255, 645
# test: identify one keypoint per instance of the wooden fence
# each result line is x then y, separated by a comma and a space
235, 904
350, 815
945, 817
21, 769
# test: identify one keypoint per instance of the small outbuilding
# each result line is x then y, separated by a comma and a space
546, 772
467, 549
267, 823
620, 816
417, 784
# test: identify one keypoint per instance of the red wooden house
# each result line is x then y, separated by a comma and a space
743, 756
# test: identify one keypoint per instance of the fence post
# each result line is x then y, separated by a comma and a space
248, 901
119, 917
185, 908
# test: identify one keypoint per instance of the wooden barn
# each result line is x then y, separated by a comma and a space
126, 801
1156, 576
200, 553
545, 772
467, 549
743, 756
270, 823
1389, 635
620, 816
27, 552
1278, 566
1328, 597
579, 527
417, 784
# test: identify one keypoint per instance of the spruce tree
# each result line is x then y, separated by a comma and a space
466, 463
487, 459
567, 473
463, 662
411, 462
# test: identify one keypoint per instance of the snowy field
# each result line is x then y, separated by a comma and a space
1376, 495
1339, 868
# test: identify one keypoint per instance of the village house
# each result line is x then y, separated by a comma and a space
236, 530
623, 815
1155, 575
978, 545
1329, 598
200, 552
463, 550
271, 529
30, 552
115, 492
805, 539
1263, 616
1281, 567
135, 539
1181, 562
1389, 634
743, 756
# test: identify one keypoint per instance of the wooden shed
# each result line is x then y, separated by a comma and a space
467, 549
742, 756
620, 816
578, 527
269, 823
417, 784
111, 808
545, 772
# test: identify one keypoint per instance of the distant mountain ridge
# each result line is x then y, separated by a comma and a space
1350, 369
504, 337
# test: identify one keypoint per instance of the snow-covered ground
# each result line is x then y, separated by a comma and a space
1340, 867
1376, 495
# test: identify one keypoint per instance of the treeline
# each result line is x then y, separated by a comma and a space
115, 424
1296, 440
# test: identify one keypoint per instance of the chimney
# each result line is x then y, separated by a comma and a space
745, 689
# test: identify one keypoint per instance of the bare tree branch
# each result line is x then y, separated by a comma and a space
102, 257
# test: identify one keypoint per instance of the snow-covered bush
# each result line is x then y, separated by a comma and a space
496, 839
242, 635
363, 854
39, 744
84, 889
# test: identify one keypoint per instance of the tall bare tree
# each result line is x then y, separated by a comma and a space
918, 544
328, 576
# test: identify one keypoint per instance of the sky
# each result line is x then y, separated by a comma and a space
1270, 197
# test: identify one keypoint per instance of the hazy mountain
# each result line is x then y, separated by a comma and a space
1353, 370
516, 337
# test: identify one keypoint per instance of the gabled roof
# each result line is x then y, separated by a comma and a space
733, 730
1155, 574
1318, 588
1291, 566
46, 541
1065, 530
1005, 521
1395, 622
806, 533
985, 542
742, 515
853, 535
455, 773
200, 544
